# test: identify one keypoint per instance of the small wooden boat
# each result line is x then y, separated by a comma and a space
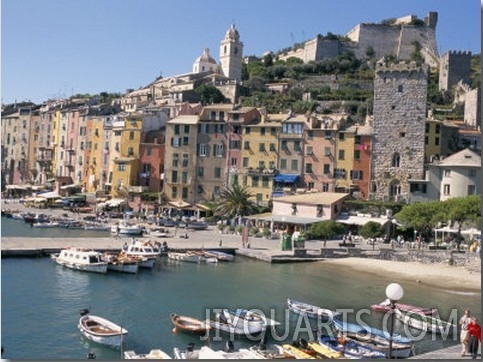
296, 353
120, 263
250, 321
220, 255
349, 348
190, 258
81, 259
101, 330
309, 310
385, 306
424, 322
153, 354
189, 324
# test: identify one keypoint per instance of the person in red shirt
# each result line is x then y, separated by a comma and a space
474, 332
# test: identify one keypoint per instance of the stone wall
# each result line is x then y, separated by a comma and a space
454, 66
473, 108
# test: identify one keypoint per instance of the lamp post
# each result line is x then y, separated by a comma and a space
394, 292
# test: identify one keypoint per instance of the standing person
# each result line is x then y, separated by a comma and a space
464, 323
474, 333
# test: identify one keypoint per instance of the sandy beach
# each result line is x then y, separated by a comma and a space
438, 275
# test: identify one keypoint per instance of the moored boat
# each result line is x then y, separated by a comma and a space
153, 354
295, 352
81, 259
144, 252
127, 228
309, 310
191, 258
426, 323
349, 348
385, 306
120, 263
250, 321
101, 330
220, 255
189, 324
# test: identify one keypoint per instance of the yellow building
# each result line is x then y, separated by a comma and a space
126, 138
344, 160
259, 157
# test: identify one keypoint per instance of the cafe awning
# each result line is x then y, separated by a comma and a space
286, 178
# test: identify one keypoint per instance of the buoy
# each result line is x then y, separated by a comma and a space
175, 330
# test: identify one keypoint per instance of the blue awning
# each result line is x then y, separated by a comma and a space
286, 178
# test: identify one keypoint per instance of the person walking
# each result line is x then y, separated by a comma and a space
474, 333
464, 338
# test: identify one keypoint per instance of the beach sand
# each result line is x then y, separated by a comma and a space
439, 275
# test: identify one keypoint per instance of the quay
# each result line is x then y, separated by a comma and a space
448, 353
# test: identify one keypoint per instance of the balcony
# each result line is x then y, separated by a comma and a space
260, 171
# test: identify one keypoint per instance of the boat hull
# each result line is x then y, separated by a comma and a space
311, 311
101, 330
189, 324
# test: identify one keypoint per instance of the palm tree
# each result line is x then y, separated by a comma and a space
234, 201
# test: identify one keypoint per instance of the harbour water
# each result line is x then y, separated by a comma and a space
41, 301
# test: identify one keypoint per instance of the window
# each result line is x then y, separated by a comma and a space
437, 129
421, 188
203, 151
446, 189
186, 129
283, 163
184, 177
311, 185
327, 151
265, 182
255, 181
130, 151
325, 187
357, 140
436, 141
341, 154
284, 145
217, 172
201, 172
185, 160
235, 145
328, 135
203, 128
294, 165
233, 161
402, 134
356, 175
472, 173
308, 168
310, 150
296, 146
149, 151
176, 141
218, 150
216, 190
186, 141
427, 127
131, 135
357, 154
310, 135
261, 147
245, 162
174, 176
262, 131
176, 129
400, 88
200, 189
447, 172
339, 173
273, 131
246, 145
175, 160
471, 190
320, 210
396, 160
426, 139
272, 147
327, 169
121, 167
184, 193
247, 130
261, 165
341, 136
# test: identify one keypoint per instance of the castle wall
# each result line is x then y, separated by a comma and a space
473, 108
400, 92
454, 66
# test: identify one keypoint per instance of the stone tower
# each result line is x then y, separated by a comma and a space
231, 53
454, 66
400, 92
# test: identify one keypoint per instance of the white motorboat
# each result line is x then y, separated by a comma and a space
153, 354
250, 321
144, 252
191, 258
126, 228
49, 224
118, 262
309, 310
220, 255
101, 330
81, 259
423, 322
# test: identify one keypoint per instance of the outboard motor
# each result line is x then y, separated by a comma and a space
303, 343
190, 347
229, 347
83, 311
91, 355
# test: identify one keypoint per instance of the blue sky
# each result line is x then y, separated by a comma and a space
56, 48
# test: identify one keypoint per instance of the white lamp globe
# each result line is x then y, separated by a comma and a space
394, 292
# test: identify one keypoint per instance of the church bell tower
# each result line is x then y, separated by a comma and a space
231, 53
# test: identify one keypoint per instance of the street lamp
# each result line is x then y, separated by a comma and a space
394, 292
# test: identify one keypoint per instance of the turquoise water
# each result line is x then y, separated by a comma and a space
41, 301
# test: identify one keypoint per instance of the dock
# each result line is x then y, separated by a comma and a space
448, 353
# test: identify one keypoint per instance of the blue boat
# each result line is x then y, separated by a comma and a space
349, 348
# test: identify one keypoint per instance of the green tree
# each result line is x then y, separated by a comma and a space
326, 229
461, 210
372, 229
233, 201
209, 94
420, 216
